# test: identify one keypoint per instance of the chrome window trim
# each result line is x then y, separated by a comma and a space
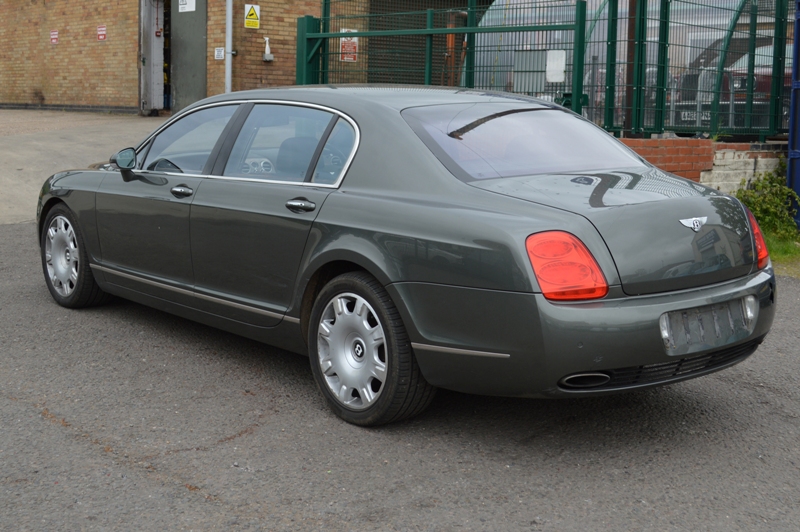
177, 117
331, 110
191, 293
454, 351
173, 174
271, 181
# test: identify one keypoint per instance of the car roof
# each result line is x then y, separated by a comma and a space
397, 97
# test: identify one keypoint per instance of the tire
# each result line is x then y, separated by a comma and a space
65, 262
360, 354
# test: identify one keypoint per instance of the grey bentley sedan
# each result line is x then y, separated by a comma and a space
409, 238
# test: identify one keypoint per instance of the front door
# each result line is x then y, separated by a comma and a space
143, 222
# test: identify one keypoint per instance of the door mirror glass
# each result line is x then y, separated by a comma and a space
125, 159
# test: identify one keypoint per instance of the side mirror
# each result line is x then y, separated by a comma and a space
125, 161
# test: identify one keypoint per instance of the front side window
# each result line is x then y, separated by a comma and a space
485, 141
184, 147
278, 142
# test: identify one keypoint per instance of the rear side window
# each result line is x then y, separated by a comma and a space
492, 140
278, 142
334, 154
184, 147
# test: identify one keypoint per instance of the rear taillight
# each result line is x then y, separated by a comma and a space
564, 268
761, 244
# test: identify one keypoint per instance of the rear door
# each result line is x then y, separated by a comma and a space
251, 219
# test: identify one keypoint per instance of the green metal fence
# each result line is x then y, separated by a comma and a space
636, 66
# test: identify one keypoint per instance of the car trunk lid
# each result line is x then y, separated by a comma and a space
664, 233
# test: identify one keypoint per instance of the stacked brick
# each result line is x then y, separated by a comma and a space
720, 165
79, 71
278, 22
737, 162
684, 157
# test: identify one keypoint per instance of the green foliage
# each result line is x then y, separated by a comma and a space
772, 203
782, 250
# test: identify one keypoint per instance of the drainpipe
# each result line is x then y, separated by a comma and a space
228, 44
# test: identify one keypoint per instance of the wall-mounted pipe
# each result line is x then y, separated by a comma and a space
228, 44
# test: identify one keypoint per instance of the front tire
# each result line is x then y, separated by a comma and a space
360, 354
65, 262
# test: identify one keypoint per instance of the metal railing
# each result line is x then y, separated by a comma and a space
635, 66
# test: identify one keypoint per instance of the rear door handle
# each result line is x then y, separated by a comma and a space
300, 205
181, 191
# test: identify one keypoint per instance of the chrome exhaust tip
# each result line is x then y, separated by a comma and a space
584, 380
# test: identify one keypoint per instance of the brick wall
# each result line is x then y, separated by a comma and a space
734, 162
684, 157
82, 71
79, 70
720, 165
278, 22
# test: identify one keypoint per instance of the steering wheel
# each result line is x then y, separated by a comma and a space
332, 159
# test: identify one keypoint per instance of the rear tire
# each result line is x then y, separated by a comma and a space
360, 354
65, 262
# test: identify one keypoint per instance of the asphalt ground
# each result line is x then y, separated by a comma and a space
37, 144
126, 418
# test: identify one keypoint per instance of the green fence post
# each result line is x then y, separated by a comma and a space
778, 66
593, 24
639, 68
751, 66
579, 50
325, 27
429, 49
663, 66
714, 125
611, 64
307, 62
302, 50
472, 18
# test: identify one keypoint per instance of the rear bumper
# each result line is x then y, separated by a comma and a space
516, 344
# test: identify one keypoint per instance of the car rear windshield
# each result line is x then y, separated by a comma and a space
491, 140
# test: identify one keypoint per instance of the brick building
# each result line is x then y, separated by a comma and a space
139, 55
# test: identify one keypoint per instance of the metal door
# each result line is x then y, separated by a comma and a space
188, 50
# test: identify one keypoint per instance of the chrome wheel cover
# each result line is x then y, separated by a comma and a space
351, 350
61, 256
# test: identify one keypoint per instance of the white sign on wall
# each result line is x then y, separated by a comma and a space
186, 5
219, 53
348, 47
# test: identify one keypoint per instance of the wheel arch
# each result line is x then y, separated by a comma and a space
46, 208
326, 270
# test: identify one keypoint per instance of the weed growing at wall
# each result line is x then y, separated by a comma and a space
772, 203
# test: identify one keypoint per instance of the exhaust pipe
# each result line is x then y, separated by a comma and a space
585, 380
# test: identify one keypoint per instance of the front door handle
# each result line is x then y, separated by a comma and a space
181, 191
300, 205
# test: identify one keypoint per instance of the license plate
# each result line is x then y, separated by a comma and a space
691, 116
703, 328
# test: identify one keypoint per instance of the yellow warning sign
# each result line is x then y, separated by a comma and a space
252, 16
